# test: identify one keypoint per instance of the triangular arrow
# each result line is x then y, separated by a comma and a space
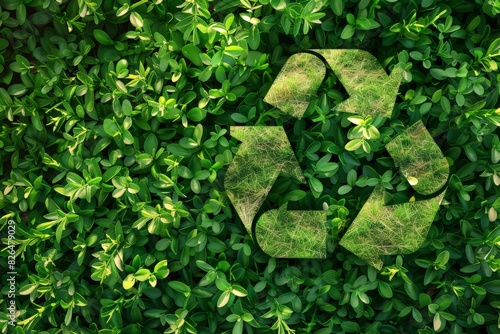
420, 159
297, 82
371, 91
264, 153
387, 230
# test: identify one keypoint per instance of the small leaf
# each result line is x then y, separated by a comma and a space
122, 10
128, 282
295, 195
239, 291
27, 289
492, 287
354, 144
102, 37
136, 20
233, 50
344, 189
254, 37
357, 120
412, 180
437, 322
197, 114
348, 32
111, 128
180, 287
192, 52
142, 274
492, 214
223, 299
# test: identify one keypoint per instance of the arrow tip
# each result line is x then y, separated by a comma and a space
420, 159
297, 82
371, 91
389, 230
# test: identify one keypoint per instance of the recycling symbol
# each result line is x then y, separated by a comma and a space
265, 152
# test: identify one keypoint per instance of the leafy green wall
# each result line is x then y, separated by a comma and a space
115, 140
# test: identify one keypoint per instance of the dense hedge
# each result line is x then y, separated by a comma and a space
115, 140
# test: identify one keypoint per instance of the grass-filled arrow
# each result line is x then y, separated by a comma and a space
371, 91
292, 234
402, 228
297, 82
420, 159
263, 154
387, 230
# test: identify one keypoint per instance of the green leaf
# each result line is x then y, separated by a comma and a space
416, 315
222, 284
316, 184
239, 118
102, 37
161, 270
295, 195
180, 287
350, 327
366, 24
344, 189
337, 6
354, 144
239, 291
412, 290
444, 302
492, 287
234, 51
328, 168
254, 37
142, 274
17, 89
348, 32
494, 48
443, 258
385, 289
151, 144
21, 14
238, 327
192, 52
111, 128
136, 20
196, 114
223, 299
478, 319
27, 289
128, 282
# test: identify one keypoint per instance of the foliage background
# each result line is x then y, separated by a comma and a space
114, 144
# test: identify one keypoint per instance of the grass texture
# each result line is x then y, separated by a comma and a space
292, 234
297, 82
264, 153
386, 230
420, 159
371, 91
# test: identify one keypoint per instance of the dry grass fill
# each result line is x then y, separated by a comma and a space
420, 159
292, 234
387, 230
264, 153
371, 91
297, 82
